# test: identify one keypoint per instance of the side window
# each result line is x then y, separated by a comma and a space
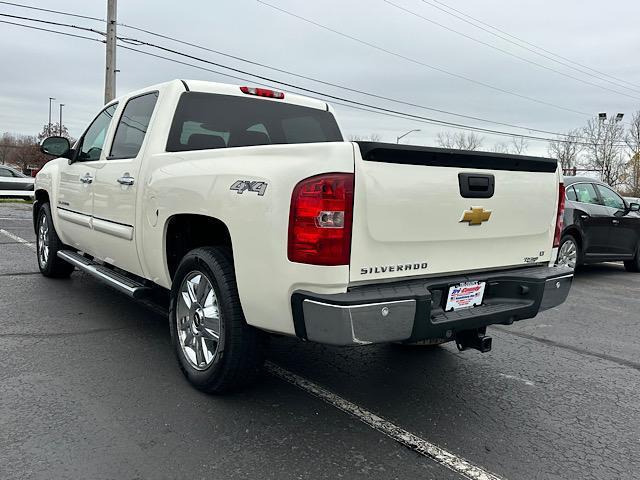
611, 198
5, 172
571, 194
585, 193
93, 139
132, 126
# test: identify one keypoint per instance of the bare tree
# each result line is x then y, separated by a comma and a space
460, 141
500, 148
519, 145
603, 149
7, 144
446, 140
374, 137
566, 149
632, 139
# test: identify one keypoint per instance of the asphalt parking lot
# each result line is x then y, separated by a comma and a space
89, 388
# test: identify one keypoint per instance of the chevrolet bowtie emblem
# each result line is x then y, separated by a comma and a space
475, 216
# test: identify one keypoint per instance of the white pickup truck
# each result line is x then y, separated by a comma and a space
248, 205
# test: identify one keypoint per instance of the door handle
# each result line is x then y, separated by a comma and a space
86, 178
615, 221
126, 179
584, 216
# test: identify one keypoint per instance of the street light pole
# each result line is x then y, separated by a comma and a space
60, 124
49, 124
404, 135
110, 61
604, 123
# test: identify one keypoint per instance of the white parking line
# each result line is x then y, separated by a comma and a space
519, 379
391, 430
18, 239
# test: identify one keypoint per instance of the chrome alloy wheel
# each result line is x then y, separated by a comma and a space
43, 241
568, 254
198, 320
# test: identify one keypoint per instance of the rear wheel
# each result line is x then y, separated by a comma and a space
48, 244
216, 349
568, 252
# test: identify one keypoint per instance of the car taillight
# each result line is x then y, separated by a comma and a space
560, 216
262, 92
320, 220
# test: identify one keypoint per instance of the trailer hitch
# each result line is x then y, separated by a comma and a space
475, 339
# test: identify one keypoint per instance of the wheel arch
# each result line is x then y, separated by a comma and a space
184, 232
575, 233
40, 196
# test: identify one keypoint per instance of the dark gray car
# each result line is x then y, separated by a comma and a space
11, 180
599, 225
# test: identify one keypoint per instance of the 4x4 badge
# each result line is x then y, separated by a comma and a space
247, 185
475, 216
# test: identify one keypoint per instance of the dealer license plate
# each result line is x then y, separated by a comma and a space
465, 295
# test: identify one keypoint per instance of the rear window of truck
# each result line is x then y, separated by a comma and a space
206, 120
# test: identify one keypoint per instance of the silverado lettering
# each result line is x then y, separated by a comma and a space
394, 268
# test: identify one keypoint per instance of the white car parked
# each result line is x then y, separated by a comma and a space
247, 205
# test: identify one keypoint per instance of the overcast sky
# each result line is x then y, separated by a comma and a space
600, 35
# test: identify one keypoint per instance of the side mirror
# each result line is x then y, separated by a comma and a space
56, 146
634, 207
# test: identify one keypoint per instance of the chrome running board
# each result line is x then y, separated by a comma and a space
118, 281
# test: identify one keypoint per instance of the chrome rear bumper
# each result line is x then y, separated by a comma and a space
413, 310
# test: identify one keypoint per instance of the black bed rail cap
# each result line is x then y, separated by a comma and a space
445, 157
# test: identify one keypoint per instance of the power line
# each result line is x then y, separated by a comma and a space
363, 107
139, 42
381, 97
323, 82
462, 18
506, 52
343, 87
359, 105
50, 22
52, 11
51, 31
337, 100
353, 38
418, 62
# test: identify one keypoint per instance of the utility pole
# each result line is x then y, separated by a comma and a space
49, 124
60, 124
110, 67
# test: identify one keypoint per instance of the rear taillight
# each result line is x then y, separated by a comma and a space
559, 217
262, 92
320, 220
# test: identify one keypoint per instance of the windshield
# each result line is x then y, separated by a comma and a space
206, 120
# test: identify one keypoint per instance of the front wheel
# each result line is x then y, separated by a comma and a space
216, 349
48, 244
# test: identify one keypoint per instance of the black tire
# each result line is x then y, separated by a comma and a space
46, 236
633, 265
239, 356
566, 238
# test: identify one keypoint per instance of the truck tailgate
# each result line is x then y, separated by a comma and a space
421, 211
